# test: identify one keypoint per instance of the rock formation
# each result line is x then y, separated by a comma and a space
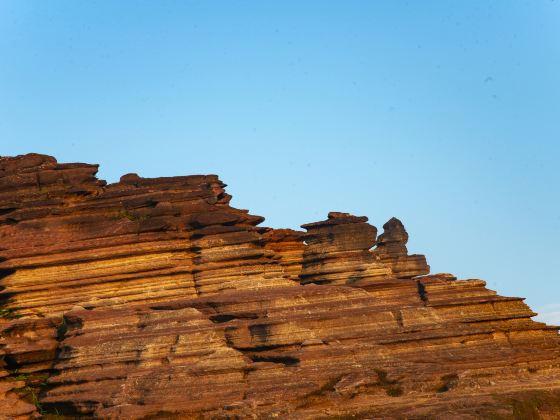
154, 298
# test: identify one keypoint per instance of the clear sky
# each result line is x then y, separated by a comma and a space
444, 114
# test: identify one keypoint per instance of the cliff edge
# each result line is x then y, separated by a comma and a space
154, 298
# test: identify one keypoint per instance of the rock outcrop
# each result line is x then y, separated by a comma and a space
154, 298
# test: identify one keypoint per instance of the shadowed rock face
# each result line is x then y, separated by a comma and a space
154, 298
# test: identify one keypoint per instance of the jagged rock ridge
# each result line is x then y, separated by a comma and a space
154, 298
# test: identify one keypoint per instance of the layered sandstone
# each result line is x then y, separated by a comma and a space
154, 298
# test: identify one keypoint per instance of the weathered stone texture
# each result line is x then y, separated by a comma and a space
154, 298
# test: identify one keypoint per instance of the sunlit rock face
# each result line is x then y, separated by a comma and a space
154, 298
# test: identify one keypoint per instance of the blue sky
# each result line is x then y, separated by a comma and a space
444, 114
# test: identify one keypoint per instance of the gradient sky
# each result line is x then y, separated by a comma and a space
444, 114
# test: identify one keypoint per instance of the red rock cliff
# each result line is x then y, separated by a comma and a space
154, 298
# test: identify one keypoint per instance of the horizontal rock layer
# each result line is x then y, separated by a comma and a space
154, 298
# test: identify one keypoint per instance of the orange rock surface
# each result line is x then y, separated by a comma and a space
154, 298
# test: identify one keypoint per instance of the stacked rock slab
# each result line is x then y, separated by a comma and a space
391, 249
337, 251
139, 240
154, 298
